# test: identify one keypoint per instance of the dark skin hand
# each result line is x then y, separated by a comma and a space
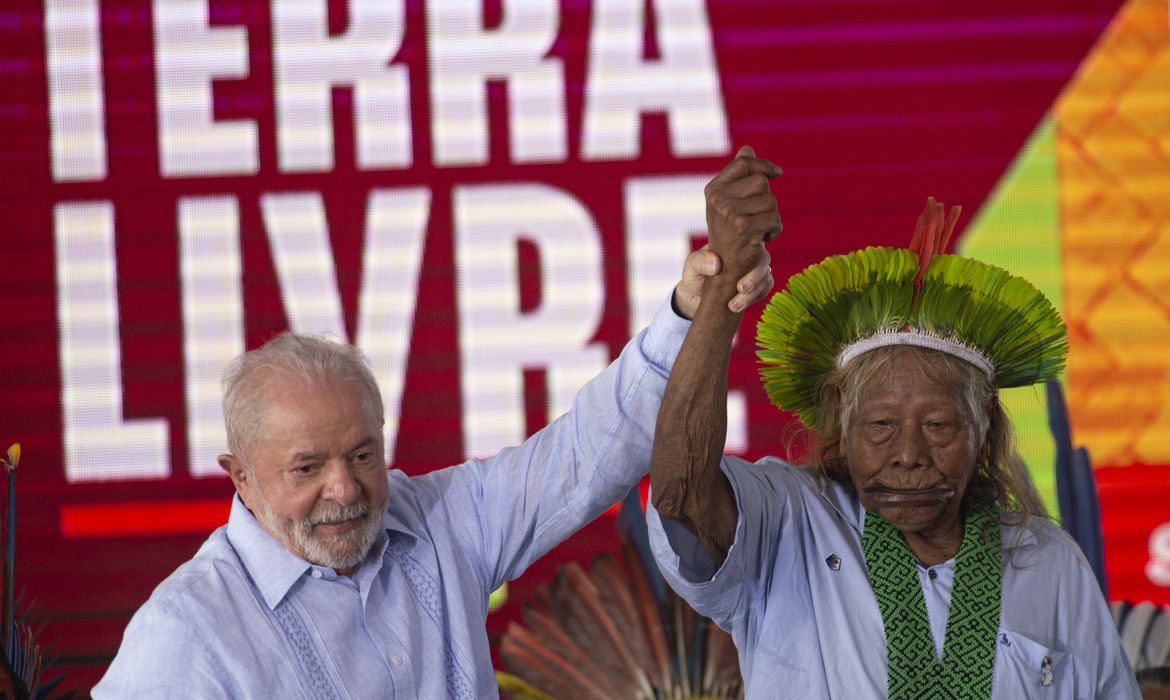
687, 484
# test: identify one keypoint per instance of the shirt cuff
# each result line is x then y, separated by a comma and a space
680, 551
664, 336
719, 594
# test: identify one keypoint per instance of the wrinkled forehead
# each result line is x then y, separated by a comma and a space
898, 375
908, 364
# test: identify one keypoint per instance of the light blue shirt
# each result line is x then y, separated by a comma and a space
795, 595
245, 618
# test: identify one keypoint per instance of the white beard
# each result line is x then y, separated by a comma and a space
342, 551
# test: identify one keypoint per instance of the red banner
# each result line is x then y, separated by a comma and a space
489, 199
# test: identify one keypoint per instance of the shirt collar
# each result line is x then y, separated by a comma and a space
273, 569
842, 500
393, 522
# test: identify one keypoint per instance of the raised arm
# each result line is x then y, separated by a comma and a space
687, 484
509, 509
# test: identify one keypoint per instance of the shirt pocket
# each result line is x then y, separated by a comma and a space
1026, 668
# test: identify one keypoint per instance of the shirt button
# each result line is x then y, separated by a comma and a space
316, 573
932, 573
396, 659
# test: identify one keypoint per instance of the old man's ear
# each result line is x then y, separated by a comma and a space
241, 477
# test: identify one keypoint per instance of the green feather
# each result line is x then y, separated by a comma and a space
1004, 317
847, 298
826, 307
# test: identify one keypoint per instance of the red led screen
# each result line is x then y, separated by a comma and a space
487, 198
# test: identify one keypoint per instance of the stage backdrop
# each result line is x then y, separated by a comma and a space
490, 198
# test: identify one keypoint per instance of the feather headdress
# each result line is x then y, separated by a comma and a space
847, 305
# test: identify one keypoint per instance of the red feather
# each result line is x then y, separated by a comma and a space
526, 657
648, 612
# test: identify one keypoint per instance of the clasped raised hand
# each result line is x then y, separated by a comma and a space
741, 216
741, 211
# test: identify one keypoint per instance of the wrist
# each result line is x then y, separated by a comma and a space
719, 290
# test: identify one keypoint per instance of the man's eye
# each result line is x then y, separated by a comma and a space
364, 456
303, 469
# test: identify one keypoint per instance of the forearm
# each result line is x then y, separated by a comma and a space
689, 487
691, 430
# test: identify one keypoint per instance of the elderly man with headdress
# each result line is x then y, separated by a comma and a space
912, 558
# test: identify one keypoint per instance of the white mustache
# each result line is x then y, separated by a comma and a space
339, 514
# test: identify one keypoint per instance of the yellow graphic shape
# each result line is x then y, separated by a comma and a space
1084, 214
1113, 163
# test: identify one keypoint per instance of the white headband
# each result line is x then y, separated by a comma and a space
920, 339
